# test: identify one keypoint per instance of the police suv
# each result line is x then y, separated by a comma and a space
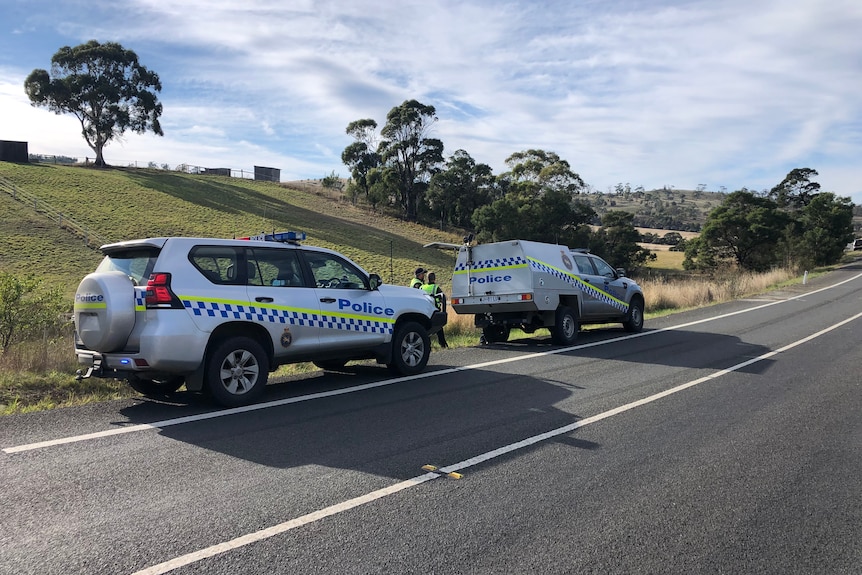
219, 314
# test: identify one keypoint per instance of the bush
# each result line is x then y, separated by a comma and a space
28, 310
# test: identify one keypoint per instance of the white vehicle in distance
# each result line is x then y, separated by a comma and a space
533, 285
218, 315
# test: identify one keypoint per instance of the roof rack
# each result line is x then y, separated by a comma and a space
581, 250
283, 237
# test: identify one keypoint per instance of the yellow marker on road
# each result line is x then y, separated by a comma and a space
435, 469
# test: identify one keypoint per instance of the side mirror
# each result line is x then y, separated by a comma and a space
621, 272
374, 281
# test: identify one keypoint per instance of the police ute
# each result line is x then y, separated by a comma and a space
218, 315
533, 285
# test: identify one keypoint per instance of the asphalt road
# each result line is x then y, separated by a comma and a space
723, 440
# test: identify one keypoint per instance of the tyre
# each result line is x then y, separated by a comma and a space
331, 364
236, 372
155, 387
565, 330
495, 333
411, 348
634, 321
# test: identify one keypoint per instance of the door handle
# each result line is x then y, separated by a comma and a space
264, 299
327, 300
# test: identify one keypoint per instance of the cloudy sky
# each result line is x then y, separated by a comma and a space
726, 94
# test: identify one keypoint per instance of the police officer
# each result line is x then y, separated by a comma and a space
418, 278
435, 291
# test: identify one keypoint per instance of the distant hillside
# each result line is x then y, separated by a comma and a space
119, 204
666, 209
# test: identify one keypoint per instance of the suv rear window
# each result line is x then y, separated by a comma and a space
137, 263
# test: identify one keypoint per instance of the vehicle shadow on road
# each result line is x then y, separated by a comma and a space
362, 420
674, 348
391, 430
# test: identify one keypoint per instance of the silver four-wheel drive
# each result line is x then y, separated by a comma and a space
218, 315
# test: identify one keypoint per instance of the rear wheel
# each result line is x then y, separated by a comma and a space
634, 321
155, 387
495, 333
237, 371
565, 330
411, 348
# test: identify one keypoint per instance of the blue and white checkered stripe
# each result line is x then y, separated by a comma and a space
286, 316
577, 282
517, 261
140, 299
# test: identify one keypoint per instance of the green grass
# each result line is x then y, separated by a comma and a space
121, 204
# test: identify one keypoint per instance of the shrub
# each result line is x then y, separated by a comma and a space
28, 310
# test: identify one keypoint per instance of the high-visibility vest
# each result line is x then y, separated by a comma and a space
416, 283
435, 291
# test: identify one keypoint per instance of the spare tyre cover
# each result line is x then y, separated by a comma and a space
105, 310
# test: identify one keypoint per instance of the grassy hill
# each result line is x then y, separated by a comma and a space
119, 204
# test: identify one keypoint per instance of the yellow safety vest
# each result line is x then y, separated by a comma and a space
434, 291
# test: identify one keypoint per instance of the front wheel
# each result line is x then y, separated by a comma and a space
634, 321
237, 371
411, 348
565, 330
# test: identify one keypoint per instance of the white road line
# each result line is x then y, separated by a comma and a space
256, 536
258, 406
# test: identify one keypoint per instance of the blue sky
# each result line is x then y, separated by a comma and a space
656, 93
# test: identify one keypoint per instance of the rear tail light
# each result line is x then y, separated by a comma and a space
159, 292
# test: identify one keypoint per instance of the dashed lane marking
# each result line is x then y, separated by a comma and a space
435, 472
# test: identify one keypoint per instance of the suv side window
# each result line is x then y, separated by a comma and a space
584, 264
331, 271
217, 263
603, 268
274, 267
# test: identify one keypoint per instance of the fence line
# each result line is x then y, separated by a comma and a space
91, 239
184, 168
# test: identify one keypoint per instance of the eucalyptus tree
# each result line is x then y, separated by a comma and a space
796, 190
462, 186
617, 241
745, 229
104, 86
408, 148
539, 202
361, 156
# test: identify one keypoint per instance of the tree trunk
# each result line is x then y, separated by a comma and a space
100, 159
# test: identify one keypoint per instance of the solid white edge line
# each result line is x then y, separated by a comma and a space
280, 528
324, 394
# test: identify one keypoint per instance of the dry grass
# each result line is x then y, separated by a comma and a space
678, 294
40, 375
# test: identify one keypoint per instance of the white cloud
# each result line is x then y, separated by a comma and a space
659, 93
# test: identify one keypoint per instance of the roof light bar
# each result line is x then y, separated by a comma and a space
290, 237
